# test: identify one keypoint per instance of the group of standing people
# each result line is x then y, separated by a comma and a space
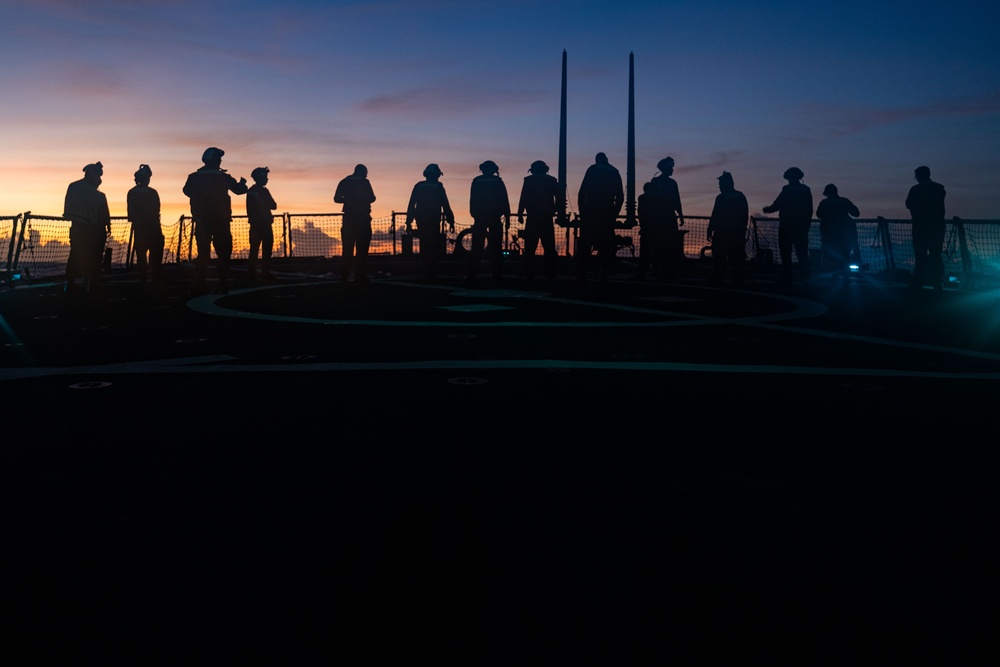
794, 206
838, 233
86, 207
489, 205
601, 197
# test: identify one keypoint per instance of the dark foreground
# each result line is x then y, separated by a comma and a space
357, 474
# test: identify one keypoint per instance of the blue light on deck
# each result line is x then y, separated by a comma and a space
855, 268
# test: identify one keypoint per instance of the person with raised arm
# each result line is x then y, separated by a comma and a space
836, 229
794, 206
212, 213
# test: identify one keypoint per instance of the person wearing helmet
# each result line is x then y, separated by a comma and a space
260, 207
727, 231
659, 219
143, 203
86, 208
489, 206
925, 201
836, 229
212, 212
427, 207
600, 199
653, 231
794, 206
539, 200
356, 194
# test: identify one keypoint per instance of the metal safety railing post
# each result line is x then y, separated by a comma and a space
10, 245
883, 229
129, 247
180, 237
286, 233
963, 246
20, 240
392, 231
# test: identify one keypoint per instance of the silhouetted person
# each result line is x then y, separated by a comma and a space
926, 203
659, 216
428, 203
147, 237
87, 209
600, 200
356, 194
652, 230
727, 230
260, 207
489, 206
212, 212
836, 229
795, 208
539, 200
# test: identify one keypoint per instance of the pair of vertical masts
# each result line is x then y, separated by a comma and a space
630, 159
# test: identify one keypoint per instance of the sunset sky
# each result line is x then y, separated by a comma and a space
854, 93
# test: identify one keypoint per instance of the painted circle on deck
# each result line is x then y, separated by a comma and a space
861, 386
90, 385
467, 381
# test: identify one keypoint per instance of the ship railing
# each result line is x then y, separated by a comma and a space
37, 246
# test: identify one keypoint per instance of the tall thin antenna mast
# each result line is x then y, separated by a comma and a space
562, 215
630, 166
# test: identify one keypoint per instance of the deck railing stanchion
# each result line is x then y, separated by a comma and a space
10, 245
20, 240
963, 248
883, 229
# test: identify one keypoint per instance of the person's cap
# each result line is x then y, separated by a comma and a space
726, 177
96, 166
259, 173
538, 167
212, 153
793, 172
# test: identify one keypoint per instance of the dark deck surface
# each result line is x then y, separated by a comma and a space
513, 473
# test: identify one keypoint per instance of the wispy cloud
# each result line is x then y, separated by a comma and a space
448, 99
843, 121
715, 162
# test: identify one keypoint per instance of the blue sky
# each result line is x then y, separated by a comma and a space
854, 93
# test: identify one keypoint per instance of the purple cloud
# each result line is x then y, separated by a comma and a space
848, 120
